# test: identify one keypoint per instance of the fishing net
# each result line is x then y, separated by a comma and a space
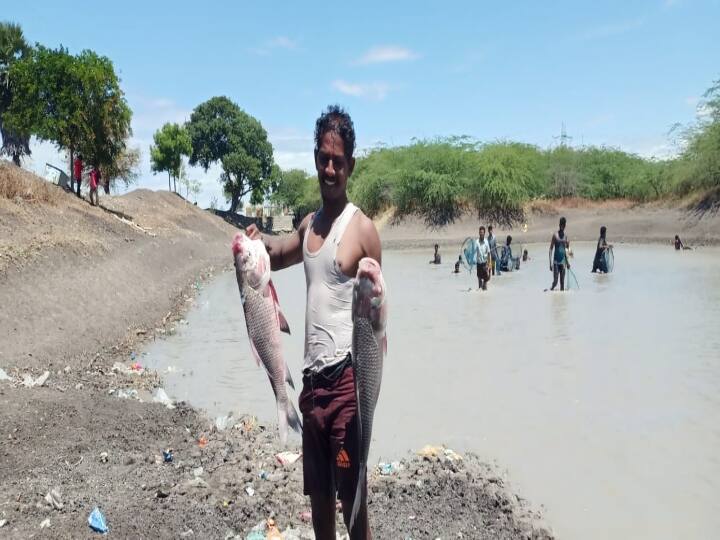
609, 257
571, 281
467, 252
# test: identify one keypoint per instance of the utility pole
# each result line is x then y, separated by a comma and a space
564, 137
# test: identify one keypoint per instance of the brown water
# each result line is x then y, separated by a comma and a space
603, 404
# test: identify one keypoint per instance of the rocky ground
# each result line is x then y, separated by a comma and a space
82, 288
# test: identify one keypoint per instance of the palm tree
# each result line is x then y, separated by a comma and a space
13, 47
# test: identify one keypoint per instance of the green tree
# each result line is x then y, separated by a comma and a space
74, 101
13, 48
297, 191
172, 142
220, 131
125, 169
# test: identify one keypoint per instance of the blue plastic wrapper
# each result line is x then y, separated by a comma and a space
167, 456
97, 521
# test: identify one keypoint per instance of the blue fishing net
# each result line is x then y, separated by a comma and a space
467, 252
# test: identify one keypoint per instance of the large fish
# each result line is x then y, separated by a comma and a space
369, 346
264, 322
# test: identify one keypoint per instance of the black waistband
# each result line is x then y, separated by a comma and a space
330, 373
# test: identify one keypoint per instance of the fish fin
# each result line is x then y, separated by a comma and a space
255, 353
288, 377
360, 494
287, 416
282, 321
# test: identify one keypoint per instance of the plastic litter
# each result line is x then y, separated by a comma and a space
160, 396
53, 499
250, 490
437, 452
96, 520
45, 523
202, 441
287, 458
273, 533
2, 523
264, 475
386, 469
198, 471
4, 376
128, 393
224, 422
29, 382
136, 367
119, 367
168, 455
306, 516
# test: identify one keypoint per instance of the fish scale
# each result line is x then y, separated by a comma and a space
367, 366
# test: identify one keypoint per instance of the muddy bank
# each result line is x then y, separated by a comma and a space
82, 288
626, 222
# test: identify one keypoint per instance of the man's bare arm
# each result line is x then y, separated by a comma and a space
284, 251
370, 240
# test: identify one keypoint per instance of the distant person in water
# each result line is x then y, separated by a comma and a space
482, 259
436, 257
457, 265
526, 255
559, 246
600, 262
679, 245
492, 242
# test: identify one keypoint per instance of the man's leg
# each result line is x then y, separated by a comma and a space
361, 529
555, 277
323, 516
562, 278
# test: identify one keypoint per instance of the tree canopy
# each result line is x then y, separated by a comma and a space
220, 131
172, 142
13, 48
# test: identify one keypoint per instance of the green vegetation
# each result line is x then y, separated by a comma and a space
172, 142
298, 192
13, 48
440, 179
220, 131
75, 102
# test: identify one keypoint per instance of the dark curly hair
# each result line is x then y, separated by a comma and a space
337, 120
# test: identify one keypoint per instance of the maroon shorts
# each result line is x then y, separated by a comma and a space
330, 443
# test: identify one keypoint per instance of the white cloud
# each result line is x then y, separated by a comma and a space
389, 53
375, 91
612, 29
278, 42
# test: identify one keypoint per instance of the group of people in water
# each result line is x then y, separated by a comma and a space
491, 259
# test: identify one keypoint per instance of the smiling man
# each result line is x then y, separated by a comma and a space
330, 242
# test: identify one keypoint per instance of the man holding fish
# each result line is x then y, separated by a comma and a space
345, 339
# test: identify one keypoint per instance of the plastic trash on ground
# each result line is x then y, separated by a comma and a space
224, 422
202, 441
250, 490
29, 381
160, 396
53, 499
4, 376
386, 469
128, 393
287, 458
97, 521
168, 455
119, 367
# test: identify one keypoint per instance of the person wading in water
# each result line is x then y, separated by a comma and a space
558, 259
330, 243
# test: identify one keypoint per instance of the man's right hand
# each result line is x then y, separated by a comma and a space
253, 233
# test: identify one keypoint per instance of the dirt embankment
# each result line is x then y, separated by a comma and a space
81, 288
626, 222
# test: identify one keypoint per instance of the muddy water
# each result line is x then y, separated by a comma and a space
603, 403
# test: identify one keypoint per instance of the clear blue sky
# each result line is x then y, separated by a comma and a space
616, 73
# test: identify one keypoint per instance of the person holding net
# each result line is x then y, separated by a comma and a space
559, 245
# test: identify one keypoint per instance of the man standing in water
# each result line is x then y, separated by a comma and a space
436, 256
492, 243
482, 257
600, 262
558, 259
330, 242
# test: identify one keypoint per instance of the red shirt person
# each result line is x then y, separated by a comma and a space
94, 181
77, 172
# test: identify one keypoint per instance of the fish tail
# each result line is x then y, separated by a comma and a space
287, 416
360, 494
